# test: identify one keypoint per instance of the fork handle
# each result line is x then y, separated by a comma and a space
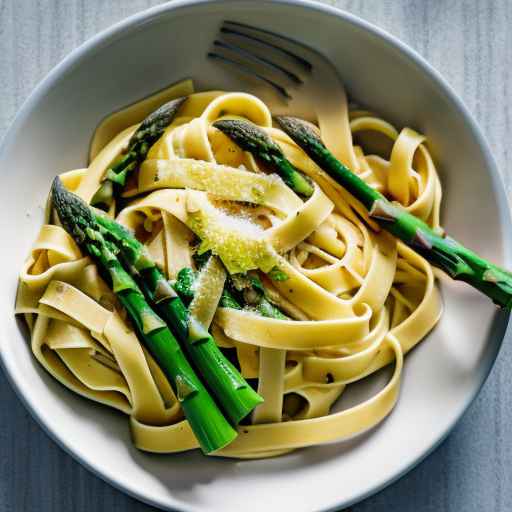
333, 120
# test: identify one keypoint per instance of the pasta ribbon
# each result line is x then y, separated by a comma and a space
353, 298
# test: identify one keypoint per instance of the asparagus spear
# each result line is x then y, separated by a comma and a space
184, 287
250, 137
444, 252
235, 396
212, 430
252, 293
139, 144
247, 289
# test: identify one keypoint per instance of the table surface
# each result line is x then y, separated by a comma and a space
470, 43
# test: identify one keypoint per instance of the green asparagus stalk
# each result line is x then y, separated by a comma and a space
184, 287
212, 430
246, 289
441, 251
251, 291
139, 144
232, 392
250, 137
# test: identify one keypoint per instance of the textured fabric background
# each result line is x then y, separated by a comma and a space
470, 43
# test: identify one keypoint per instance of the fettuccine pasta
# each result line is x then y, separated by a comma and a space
355, 299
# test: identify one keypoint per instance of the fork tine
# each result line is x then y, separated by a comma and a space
259, 60
306, 65
247, 70
270, 33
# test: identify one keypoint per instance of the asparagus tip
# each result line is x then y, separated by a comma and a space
298, 129
247, 135
162, 116
74, 214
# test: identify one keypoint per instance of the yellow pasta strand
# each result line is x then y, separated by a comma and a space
358, 300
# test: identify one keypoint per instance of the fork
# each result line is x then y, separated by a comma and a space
305, 83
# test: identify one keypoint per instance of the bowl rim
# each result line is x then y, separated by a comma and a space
130, 23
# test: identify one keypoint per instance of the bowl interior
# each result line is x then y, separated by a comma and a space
441, 377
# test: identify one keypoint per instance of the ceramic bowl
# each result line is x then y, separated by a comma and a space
442, 376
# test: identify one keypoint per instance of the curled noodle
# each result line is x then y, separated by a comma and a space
357, 300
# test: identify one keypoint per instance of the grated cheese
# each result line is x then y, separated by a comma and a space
228, 182
239, 242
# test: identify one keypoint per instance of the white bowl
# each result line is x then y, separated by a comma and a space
51, 134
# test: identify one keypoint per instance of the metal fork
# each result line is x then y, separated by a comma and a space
305, 83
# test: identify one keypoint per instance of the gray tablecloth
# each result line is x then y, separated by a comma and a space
470, 43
